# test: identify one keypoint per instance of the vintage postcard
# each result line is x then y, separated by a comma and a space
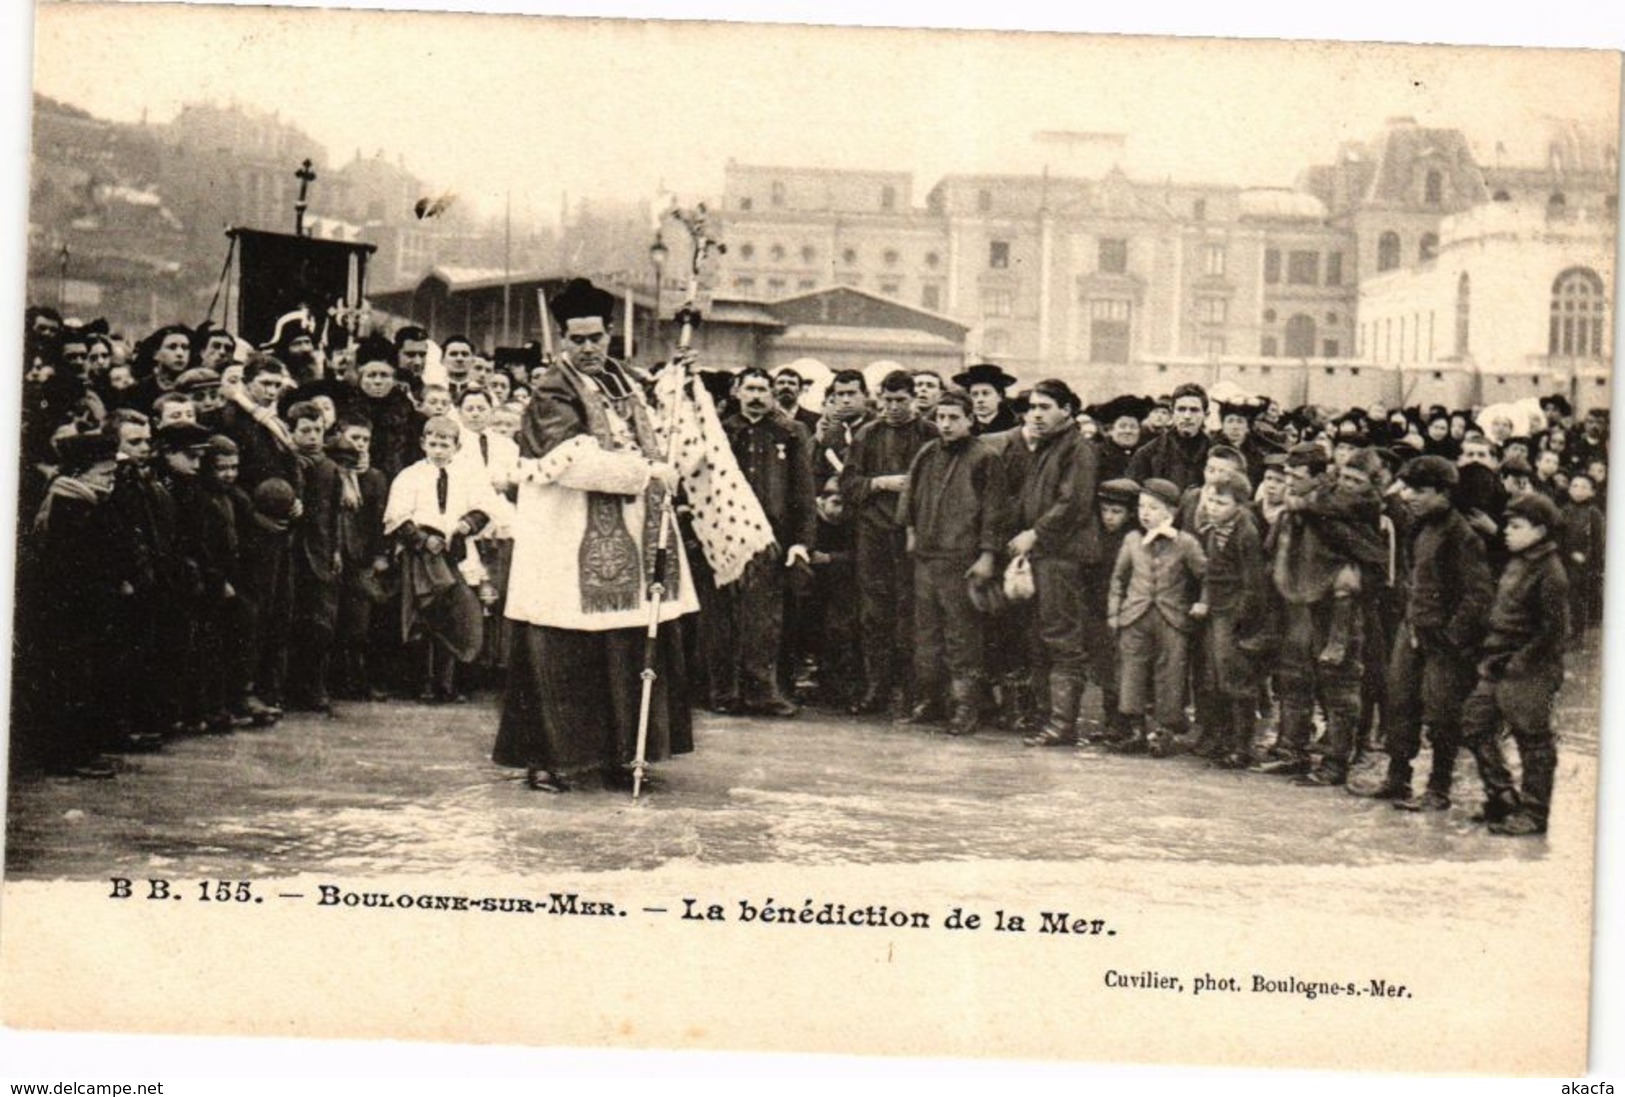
613, 533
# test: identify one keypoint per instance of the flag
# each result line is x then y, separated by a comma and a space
728, 520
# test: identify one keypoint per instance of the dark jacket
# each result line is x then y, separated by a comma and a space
1171, 456
1583, 534
146, 512
1530, 617
1057, 498
880, 449
219, 544
832, 443
316, 532
1449, 583
1003, 419
955, 500
397, 432
262, 455
1335, 528
1114, 459
775, 454
1236, 578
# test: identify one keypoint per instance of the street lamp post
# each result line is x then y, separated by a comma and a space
657, 256
62, 280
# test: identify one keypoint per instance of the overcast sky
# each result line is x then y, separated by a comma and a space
480, 104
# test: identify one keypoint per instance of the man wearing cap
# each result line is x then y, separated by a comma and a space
1520, 672
1060, 533
592, 492
985, 384
1180, 454
203, 386
1448, 590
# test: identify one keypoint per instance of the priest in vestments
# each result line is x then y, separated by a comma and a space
593, 481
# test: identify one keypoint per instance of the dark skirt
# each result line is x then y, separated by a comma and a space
572, 699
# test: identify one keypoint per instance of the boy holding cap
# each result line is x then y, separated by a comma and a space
1521, 670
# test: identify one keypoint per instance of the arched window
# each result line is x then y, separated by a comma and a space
1300, 336
1557, 204
1429, 246
1501, 196
1388, 251
1579, 307
1464, 306
808, 253
1433, 191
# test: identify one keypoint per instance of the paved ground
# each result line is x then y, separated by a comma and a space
399, 788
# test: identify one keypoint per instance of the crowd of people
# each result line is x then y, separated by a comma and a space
211, 534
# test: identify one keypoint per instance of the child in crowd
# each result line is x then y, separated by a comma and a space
1520, 671
431, 515
1235, 605
1582, 544
1117, 500
1149, 608
317, 560
363, 555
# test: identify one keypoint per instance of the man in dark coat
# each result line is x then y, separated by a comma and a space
1177, 455
1060, 534
872, 483
953, 508
775, 454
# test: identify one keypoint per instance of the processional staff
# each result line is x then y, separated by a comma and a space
694, 221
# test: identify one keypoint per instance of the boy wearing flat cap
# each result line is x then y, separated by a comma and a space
1154, 587
1448, 589
1520, 671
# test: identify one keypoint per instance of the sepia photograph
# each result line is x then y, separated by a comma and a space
707, 535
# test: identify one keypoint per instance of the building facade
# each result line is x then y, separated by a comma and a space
1117, 284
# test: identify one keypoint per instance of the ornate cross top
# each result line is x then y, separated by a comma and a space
306, 176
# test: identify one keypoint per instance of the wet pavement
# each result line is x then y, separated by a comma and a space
401, 788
